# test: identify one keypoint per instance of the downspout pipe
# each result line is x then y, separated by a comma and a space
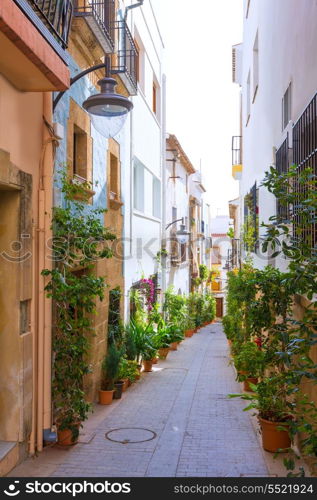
133, 6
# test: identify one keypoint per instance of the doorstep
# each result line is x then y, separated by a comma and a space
9, 456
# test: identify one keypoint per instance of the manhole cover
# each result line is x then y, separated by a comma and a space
127, 435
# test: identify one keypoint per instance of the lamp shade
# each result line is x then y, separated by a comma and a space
182, 235
108, 109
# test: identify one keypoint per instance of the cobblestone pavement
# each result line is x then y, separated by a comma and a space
198, 430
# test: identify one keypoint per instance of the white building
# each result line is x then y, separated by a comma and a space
143, 150
178, 170
221, 251
277, 71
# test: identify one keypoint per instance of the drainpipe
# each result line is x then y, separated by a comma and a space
133, 6
43, 351
163, 230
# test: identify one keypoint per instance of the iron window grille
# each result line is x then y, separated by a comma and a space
304, 156
100, 16
56, 15
236, 150
282, 166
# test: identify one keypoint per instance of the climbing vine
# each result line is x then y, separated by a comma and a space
79, 240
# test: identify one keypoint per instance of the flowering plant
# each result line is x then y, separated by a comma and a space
148, 286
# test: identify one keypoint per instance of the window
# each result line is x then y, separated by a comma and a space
154, 98
156, 212
114, 178
282, 166
137, 61
80, 150
248, 97
138, 186
25, 319
255, 66
286, 107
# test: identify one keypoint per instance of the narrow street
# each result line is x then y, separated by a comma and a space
181, 417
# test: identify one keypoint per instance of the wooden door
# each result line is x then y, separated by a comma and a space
219, 307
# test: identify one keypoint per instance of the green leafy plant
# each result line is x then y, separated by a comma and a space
203, 272
250, 360
110, 368
79, 240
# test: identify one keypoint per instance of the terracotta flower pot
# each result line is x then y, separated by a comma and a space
163, 352
189, 333
173, 346
147, 365
272, 438
248, 381
125, 384
105, 397
154, 361
137, 377
65, 436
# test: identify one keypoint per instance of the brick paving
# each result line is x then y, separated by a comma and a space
198, 430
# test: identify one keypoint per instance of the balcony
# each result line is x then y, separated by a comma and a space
33, 39
126, 58
236, 149
100, 17
56, 15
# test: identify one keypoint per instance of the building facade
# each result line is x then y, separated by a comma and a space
179, 169
278, 80
277, 109
33, 64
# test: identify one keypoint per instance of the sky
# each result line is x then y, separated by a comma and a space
202, 101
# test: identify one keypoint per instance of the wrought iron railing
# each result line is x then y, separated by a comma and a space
56, 15
236, 150
103, 12
126, 55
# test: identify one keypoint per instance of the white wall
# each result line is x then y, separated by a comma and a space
287, 38
177, 195
143, 140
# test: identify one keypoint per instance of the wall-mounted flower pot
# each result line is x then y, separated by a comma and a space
147, 365
173, 346
272, 437
163, 352
68, 437
118, 389
105, 397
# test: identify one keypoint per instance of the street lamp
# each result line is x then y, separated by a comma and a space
108, 109
182, 235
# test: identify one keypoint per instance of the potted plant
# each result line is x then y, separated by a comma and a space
110, 370
274, 410
70, 415
161, 340
176, 336
147, 357
249, 363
